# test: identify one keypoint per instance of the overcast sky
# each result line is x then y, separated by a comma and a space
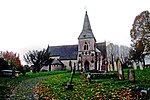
33, 24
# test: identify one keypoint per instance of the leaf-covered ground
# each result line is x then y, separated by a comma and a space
24, 91
8, 85
51, 88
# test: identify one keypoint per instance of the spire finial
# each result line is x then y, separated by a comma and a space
85, 8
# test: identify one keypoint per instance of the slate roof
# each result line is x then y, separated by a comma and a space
69, 52
102, 47
66, 52
56, 62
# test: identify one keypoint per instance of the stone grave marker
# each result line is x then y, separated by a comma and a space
131, 75
111, 67
141, 67
134, 65
120, 70
115, 66
108, 66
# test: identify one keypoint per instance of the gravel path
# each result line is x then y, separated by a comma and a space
24, 91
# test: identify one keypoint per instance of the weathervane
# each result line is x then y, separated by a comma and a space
85, 8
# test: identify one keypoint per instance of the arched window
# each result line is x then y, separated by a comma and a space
86, 46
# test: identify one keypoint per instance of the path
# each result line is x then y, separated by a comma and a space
24, 91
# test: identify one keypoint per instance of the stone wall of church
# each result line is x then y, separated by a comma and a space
56, 67
90, 42
66, 63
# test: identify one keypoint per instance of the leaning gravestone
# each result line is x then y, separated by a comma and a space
141, 67
134, 65
120, 70
131, 75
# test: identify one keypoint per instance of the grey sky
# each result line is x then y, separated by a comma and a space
33, 24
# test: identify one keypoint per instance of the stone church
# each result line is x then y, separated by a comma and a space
86, 55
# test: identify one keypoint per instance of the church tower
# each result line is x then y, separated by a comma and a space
87, 47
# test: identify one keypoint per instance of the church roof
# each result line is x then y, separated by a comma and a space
69, 52
56, 62
102, 47
86, 31
65, 52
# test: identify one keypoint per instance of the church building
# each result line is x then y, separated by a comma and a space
86, 55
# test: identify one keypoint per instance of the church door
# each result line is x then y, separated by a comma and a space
86, 65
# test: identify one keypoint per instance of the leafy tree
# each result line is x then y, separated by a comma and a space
12, 59
37, 58
140, 36
3, 64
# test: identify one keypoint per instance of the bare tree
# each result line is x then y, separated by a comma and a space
37, 58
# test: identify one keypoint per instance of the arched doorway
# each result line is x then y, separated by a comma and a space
86, 65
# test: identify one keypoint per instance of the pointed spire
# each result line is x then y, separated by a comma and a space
86, 25
86, 31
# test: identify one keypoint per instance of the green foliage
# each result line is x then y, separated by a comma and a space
8, 84
4, 64
52, 88
140, 35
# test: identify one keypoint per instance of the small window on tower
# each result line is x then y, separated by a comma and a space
86, 46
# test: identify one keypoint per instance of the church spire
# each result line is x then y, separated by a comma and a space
86, 25
86, 31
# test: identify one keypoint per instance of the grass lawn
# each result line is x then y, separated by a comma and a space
7, 84
52, 88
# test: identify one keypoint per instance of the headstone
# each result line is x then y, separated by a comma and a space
89, 78
111, 68
108, 66
131, 75
120, 70
134, 65
141, 67
115, 66
101, 63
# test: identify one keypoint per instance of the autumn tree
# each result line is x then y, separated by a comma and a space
37, 58
140, 36
12, 59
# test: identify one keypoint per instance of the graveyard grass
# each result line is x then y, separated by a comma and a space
7, 84
51, 88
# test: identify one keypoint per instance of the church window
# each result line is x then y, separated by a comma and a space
92, 54
89, 52
92, 61
79, 55
86, 46
85, 53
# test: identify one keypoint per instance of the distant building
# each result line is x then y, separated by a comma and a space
87, 54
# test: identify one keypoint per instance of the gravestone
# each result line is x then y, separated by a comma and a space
111, 67
115, 66
108, 66
134, 65
120, 70
131, 75
141, 67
